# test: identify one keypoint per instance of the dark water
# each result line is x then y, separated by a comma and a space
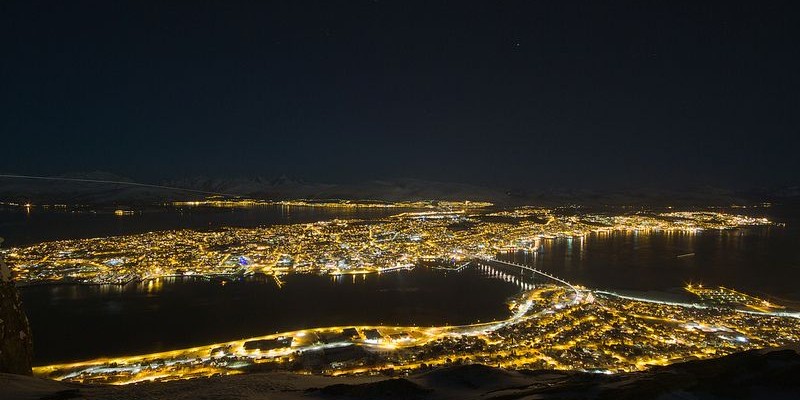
764, 261
77, 322
73, 322
22, 227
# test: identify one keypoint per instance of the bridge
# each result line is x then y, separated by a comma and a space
495, 272
578, 295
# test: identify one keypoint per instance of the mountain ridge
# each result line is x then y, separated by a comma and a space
107, 188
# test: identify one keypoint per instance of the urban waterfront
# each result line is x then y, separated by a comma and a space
624, 260
520, 287
390, 199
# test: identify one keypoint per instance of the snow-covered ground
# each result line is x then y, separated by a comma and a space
751, 375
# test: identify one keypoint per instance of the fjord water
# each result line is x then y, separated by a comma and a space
72, 322
762, 261
21, 226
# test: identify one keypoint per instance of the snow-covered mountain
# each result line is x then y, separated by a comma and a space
106, 188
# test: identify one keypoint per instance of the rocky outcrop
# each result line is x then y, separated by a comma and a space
16, 346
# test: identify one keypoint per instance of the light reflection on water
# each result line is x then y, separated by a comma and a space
72, 322
762, 261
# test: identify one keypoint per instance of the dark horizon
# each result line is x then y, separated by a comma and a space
512, 94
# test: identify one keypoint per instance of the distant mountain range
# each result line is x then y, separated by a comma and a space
104, 188
107, 188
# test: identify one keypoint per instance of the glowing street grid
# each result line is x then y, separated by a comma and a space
552, 325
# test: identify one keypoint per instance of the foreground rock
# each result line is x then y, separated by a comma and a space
16, 347
769, 374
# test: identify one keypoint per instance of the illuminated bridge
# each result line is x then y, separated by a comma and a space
523, 267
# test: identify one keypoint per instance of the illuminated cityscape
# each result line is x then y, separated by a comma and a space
550, 327
394, 199
453, 235
552, 323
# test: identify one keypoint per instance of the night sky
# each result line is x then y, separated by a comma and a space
499, 93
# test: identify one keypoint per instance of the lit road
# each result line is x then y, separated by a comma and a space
784, 314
